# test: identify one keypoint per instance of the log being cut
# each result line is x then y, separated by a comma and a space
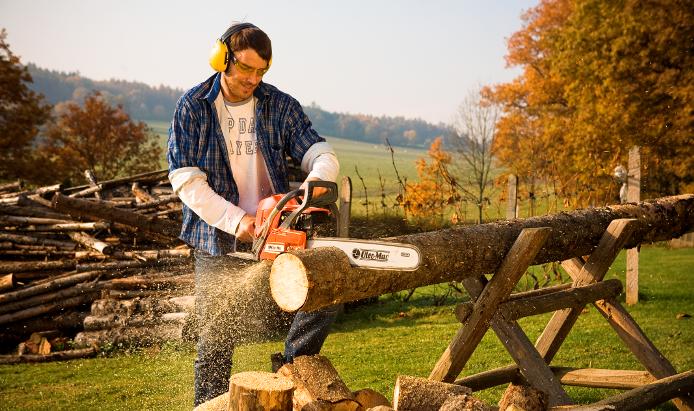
312, 279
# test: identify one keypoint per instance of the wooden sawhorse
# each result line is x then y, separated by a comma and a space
495, 306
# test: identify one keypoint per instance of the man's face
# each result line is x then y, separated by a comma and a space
244, 75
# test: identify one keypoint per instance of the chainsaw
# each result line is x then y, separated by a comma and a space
298, 220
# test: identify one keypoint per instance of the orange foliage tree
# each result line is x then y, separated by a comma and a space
599, 77
436, 189
99, 137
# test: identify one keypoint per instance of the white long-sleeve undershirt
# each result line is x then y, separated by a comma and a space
190, 184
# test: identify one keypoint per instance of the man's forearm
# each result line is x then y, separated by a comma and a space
190, 184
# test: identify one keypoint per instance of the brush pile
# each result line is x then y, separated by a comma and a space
63, 249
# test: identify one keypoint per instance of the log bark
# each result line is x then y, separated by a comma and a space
98, 209
22, 266
655, 393
56, 356
48, 286
322, 277
132, 336
421, 394
91, 242
31, 240
150, 176
67, 227
464, 403
369, 398
69, 321
32, 312
258, 391
48, 298
317, 384
13, 220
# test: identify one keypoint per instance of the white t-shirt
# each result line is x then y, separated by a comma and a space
247, 164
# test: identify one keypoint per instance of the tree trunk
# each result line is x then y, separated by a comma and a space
313, 279
421, 394
98, 209
260, 391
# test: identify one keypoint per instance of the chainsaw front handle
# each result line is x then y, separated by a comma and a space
308, 200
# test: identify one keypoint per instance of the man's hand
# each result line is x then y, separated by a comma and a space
245, 232
317, 191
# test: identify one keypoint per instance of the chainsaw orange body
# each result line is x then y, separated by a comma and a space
276, 233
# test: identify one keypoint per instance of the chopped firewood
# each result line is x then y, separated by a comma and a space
37, 344
259, 390
421, 394
524, 397
369, 398
464, 403
317, 383
218, 403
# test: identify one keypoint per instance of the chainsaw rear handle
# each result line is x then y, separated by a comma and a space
324, 200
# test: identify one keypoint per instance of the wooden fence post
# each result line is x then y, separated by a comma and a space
345, 207
511, 209
633, 196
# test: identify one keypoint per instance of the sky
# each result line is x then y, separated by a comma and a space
416, 59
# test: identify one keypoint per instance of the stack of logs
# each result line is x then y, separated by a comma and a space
62, 249
311, 383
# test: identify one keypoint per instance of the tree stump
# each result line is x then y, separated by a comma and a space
421, 394
260, 391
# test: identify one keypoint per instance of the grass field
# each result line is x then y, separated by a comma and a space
371, 345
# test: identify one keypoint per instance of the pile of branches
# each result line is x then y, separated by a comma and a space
61, 249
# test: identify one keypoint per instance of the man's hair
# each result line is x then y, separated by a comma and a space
252, 38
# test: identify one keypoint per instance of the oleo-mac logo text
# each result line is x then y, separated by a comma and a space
372, 255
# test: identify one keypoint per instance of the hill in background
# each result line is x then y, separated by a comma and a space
147, 103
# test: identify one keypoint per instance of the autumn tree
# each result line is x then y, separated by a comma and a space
97, 137
21, 114
599, 77
471, 141
435, 189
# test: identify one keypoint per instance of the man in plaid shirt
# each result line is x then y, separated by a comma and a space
227, 150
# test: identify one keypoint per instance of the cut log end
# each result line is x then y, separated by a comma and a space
259, 390
289, 282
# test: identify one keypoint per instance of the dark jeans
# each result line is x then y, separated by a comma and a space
225, 303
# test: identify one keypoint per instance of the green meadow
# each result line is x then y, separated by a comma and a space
371, 345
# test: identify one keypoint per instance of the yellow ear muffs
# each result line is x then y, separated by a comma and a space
219, 56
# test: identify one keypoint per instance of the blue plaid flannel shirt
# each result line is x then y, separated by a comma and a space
196, 140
